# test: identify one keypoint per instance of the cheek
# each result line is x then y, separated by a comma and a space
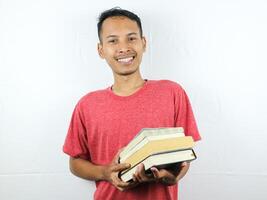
140, 49
108, 52
140, 52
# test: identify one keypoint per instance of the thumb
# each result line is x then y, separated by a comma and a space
120, 167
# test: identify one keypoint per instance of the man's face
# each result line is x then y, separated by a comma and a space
121, 45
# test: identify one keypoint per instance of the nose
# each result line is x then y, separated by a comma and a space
123, 47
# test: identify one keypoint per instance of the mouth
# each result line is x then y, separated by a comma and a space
126, 60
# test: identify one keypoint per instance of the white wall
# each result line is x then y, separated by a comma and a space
48, 60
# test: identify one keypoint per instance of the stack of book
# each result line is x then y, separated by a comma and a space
159, 147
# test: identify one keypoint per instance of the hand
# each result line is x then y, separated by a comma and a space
140, 175
111, 174
171, 177
165, 176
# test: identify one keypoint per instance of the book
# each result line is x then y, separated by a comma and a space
160, 160
157, 146
150, 134
152, 143
145, 141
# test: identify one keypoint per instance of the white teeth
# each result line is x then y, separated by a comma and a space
125, 60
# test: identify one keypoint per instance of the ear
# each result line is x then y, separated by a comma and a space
144, 43
100, 50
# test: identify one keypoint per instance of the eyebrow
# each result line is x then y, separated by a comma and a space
111, 36
133, 33
129, 34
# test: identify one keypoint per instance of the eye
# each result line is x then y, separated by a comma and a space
132, 38
112, 41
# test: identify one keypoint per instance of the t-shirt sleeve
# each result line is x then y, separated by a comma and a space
184, 116
76, 140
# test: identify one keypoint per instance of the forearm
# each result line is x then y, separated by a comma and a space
87, 170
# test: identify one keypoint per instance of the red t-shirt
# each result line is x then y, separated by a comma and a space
104, 122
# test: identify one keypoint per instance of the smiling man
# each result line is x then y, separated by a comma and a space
117, 34
122, 46
104, 121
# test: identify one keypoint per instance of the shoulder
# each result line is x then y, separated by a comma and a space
166, 85
93, 97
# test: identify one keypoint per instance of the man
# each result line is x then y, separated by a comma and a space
104, 121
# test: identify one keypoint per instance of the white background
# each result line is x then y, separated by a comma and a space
216, 49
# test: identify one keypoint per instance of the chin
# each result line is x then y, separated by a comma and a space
126, 72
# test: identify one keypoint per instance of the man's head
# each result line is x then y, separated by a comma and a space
117, 12
121, 41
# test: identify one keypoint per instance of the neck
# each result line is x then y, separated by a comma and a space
127, 85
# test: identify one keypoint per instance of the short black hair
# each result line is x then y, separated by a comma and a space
117, 11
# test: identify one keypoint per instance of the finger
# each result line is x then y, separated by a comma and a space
167, 177
134, 178
163, 173
140, 174
184, 168
155, 172
120, 167
129, 186
119, 188
183, 171
126, 185
184, 164
137, 174
122, 184
141, 169
119, 183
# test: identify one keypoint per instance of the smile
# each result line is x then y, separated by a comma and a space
127, 60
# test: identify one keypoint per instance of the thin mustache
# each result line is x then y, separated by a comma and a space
125, 56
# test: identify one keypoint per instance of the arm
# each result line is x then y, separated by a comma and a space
89, 171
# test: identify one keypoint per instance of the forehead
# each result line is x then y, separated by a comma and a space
119, 25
